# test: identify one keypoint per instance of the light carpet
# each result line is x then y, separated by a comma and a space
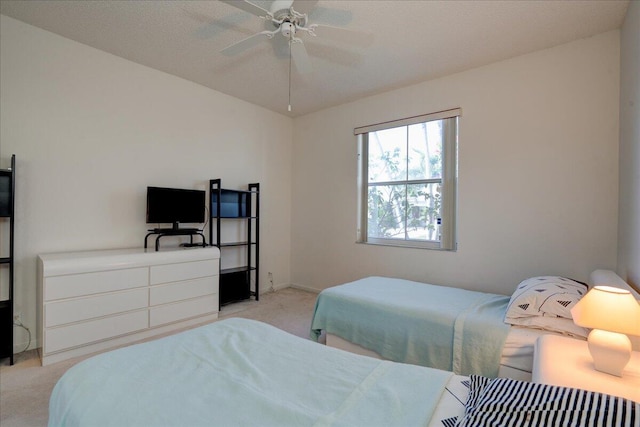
26, 386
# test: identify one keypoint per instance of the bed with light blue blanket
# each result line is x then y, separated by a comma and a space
240, 372
404, 321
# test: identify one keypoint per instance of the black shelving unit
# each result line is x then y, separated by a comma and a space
7, 209
242, 209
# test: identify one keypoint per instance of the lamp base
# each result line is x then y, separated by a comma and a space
610, 351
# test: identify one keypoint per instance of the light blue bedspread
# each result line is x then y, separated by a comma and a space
240, 372
428, 325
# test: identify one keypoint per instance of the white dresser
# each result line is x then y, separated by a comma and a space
96, 300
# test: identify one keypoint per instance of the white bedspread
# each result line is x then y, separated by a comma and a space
242, 372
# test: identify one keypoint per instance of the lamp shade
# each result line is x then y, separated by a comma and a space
610, 309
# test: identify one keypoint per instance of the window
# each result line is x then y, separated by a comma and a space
407, 181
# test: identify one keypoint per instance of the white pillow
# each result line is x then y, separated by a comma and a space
545, 295
551, 323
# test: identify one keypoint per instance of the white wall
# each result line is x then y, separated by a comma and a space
629, 229
538, 174
91, 131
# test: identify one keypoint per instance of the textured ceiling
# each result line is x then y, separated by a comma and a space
411, 41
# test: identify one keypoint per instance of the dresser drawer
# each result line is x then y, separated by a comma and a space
163, 294
69, 311
76, 285
69, 336
183, 310
183, 271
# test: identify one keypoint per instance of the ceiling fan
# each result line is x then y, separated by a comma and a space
290, 19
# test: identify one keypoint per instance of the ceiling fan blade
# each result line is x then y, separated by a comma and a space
304, 6
328, 32
334, 54
247, 6
247, 43
212, 27
325, 15
300, 57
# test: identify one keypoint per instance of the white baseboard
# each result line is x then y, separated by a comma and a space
287, 285
20, 347
266, 290
281, 286
305, 288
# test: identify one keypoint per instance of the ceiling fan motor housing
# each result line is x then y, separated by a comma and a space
287, 29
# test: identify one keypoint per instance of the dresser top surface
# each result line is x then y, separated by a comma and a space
109, 259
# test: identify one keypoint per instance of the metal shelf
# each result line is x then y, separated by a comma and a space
235, 244
7, 210
237, 269
235, 283
238, 217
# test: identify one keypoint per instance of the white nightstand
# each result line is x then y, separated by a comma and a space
567, 362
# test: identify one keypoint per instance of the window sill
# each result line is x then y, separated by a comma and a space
409, 244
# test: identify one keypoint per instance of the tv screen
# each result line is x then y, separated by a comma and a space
174, 205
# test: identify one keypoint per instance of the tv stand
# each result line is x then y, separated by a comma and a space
160, 232
175, 231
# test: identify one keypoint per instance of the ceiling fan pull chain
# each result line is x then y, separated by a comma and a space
290, 40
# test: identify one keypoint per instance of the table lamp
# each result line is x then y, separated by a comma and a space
611, 313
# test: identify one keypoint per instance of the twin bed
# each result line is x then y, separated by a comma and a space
238, 372
463, 331
515, 359
416, 323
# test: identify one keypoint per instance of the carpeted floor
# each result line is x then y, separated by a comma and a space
25, 387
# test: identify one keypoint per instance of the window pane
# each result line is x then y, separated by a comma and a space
386, 211
388, 155
423, 208
425, 150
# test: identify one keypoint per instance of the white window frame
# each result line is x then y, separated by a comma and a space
448, 237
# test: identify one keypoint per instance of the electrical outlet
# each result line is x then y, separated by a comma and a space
271, 288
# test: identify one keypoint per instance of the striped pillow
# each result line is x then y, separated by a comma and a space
508, 402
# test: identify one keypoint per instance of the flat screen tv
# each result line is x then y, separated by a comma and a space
174, 205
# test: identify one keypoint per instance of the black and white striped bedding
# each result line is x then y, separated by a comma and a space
480, 401
508, 402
